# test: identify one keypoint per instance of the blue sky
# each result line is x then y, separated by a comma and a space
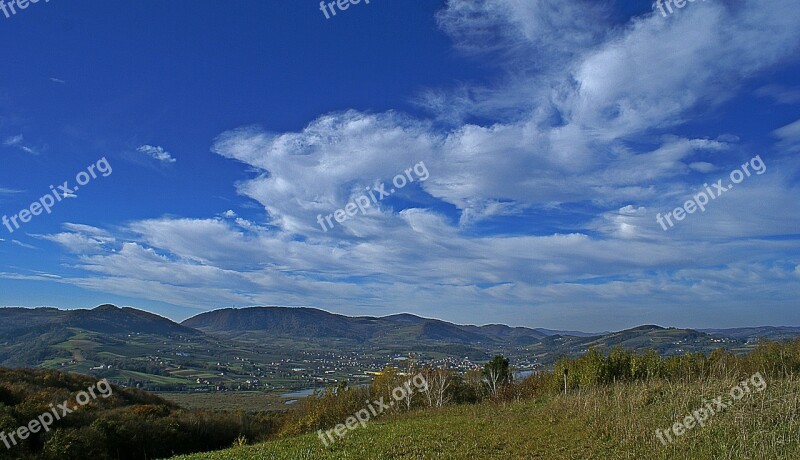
553, 133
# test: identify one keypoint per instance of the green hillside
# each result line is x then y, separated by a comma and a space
615, 422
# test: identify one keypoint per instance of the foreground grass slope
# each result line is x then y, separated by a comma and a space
617, 421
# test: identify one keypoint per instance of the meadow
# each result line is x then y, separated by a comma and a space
614, 421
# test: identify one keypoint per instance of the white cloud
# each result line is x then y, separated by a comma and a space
18, 141
14, 140
702, 166
9, 191
23, 245
77, 243
87, 229
157, 153
23, 277
789, 135
780, 94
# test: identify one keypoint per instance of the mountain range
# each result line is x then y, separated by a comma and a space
282, 347
311, 323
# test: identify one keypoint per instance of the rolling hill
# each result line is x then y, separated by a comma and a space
107, 319
310, 323
280, 348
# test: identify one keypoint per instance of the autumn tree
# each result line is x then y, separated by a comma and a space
497, 373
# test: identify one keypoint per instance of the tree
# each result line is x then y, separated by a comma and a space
439, 382
412, 369
428, 374
385, 382
497, 373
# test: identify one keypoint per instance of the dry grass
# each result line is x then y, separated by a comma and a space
618, 421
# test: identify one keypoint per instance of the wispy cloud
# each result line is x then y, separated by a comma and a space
780, 94
34, 277
23, 245
18, 141
157, 153
80, 239
789, 135
57, 80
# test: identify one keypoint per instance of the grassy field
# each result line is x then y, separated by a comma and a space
617, 422
249, 401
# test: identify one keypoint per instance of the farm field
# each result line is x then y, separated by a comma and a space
250, 401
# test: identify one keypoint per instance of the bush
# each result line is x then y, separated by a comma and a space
327, 408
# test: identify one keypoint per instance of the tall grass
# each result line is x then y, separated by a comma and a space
603, 422
760, 425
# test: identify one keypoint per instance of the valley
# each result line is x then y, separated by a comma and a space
264, 354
